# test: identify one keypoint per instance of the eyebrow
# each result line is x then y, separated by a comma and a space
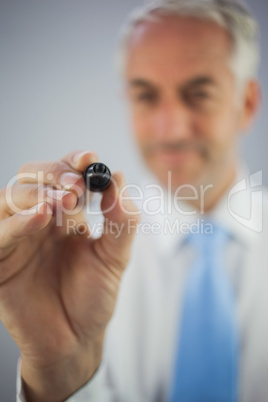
198, 81
139, 82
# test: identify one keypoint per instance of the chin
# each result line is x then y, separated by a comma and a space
176, 177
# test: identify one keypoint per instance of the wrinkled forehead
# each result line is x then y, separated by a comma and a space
169, 43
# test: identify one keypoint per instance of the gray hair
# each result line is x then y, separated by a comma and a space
229, 14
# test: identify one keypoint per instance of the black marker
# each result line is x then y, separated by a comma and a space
97, 177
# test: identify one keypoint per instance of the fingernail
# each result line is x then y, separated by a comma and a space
32, 211
57, 194
81, 154
67, 180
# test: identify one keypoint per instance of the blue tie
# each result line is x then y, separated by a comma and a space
206, 368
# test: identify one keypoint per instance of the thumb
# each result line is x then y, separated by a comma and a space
121, 218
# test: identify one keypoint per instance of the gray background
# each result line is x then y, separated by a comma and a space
59, 91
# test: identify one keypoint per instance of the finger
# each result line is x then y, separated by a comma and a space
65, 205
66, 174
79, 160
24, 196
18, 226
55, 174
121, 219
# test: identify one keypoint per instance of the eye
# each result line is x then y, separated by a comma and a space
197, 98
146, 97
199, 95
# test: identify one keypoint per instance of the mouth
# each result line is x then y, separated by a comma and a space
178, 154
176, 157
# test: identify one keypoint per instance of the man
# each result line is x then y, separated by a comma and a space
190, 74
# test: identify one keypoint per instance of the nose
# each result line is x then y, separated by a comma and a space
172, 121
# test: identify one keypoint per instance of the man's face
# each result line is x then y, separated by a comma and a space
182, 98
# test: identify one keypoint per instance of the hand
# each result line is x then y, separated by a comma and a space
58, 290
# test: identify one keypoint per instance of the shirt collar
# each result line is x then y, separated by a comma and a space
234, 213
240, 209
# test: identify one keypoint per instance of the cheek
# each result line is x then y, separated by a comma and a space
142, 129
221, 130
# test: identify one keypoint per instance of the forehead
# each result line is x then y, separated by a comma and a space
175, 47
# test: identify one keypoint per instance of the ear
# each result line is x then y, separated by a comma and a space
250, 104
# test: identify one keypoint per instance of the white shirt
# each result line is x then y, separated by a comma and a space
142, 337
